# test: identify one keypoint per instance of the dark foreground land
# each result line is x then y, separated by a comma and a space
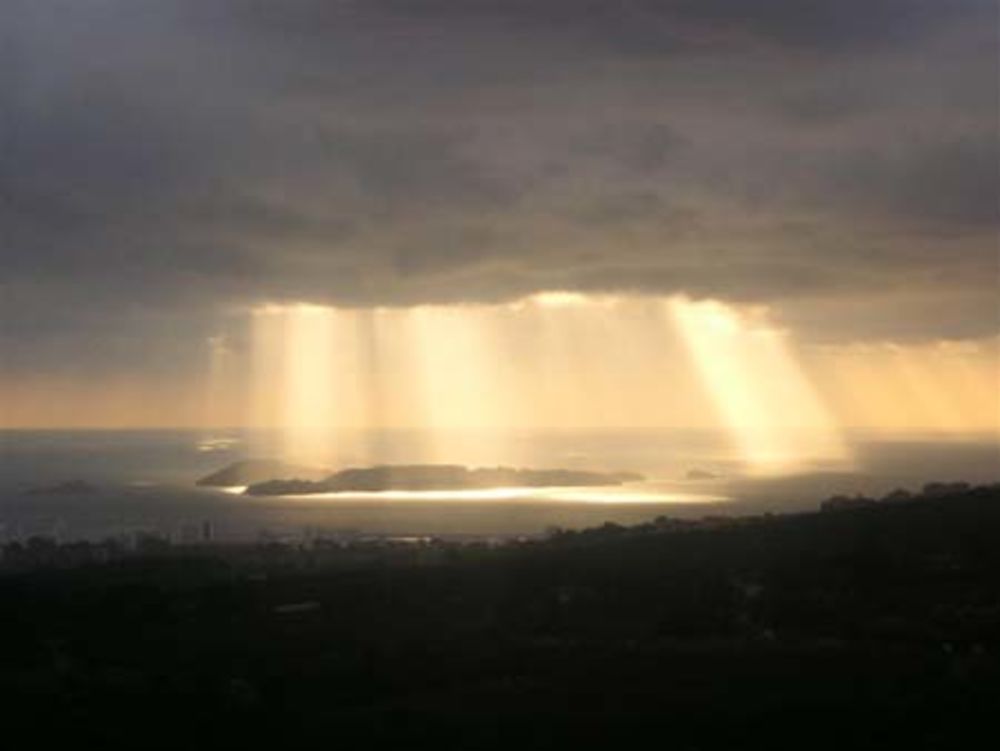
868, 625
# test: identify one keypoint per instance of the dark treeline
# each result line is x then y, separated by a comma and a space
870, 625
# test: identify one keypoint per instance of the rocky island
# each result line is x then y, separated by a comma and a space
287, 480
252, 471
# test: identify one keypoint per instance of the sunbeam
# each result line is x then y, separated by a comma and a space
761, 393
467, 375
937, 387
464, 379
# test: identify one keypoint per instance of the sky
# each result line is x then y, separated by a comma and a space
166, 166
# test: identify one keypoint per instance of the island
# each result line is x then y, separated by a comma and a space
287, 480
252, 471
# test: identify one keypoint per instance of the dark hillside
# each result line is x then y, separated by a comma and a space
871, 626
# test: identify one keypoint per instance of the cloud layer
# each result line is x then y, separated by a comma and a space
165, 162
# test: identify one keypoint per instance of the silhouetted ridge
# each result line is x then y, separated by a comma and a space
930, 491
869, 629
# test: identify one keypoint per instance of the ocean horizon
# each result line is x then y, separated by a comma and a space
138, 482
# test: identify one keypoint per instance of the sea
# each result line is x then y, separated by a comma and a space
99, 484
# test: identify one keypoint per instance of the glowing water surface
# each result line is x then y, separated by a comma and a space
609, 495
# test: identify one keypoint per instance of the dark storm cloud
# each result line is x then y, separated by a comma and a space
668, 26
624, 208
163, 161
951, 184
416, 169
640, 148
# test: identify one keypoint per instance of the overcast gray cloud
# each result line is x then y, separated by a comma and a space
164, 161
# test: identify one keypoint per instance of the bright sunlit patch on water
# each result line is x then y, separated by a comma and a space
613, 495
208, 445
